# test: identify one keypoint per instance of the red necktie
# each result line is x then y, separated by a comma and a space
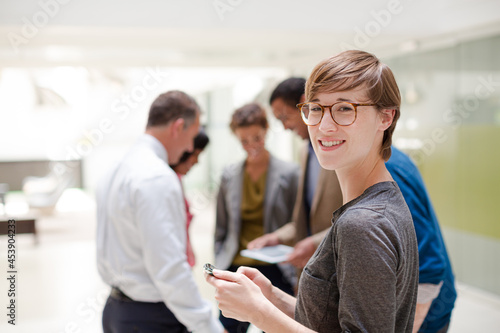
189, 217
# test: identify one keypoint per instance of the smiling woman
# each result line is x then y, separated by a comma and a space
363, 277
351, 136
360, 260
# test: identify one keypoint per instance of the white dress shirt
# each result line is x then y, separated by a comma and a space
141, 235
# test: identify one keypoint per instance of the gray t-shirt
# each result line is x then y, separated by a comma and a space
364, 275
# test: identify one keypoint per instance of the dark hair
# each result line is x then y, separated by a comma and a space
171, 106
200, 142
351, 69
248, 115
290, 91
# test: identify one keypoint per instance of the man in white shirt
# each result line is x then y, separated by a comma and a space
141, 230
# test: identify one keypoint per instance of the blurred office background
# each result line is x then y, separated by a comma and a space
77, 79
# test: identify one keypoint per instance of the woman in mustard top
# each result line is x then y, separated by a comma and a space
256, 196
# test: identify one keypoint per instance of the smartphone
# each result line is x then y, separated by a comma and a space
208, 268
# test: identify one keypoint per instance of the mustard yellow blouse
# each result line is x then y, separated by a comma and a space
252, 216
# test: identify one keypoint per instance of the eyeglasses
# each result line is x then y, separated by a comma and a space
343, 113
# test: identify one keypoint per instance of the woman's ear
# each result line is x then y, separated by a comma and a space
387, 116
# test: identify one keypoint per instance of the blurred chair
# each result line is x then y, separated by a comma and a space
22, 225
42, 193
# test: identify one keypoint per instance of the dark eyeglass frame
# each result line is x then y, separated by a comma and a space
354, 105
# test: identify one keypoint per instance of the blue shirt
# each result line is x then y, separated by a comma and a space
434, 264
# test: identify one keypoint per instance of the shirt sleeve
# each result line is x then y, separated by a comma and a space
286, 234
367, 261
161, 220
427, 292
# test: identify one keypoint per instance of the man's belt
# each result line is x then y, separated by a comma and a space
119, 295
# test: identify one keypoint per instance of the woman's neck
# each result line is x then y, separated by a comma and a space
260, 160
355, 180
258, 165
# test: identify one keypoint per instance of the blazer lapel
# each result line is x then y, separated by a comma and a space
272, 187
235, 188
320, 189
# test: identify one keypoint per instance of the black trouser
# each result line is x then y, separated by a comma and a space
444, 329
124, 315
273, 273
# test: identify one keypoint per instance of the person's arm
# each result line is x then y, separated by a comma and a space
432, 263
367, 263
160, 218
284, 235
280, 299
304, 249
420, 314
317, 238
426, 294
241, 298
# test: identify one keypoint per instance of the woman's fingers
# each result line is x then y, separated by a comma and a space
226, 275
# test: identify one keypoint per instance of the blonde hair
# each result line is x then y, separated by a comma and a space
352, 69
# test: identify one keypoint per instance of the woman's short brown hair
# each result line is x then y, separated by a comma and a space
248, 115
352, 69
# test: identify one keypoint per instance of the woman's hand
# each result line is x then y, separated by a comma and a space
246, 296
266, 287
263, 241
239, 296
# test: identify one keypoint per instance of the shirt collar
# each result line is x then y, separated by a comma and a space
155, 145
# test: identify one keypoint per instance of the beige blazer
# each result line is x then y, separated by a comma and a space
326, 199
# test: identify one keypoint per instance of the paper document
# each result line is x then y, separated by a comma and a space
270, 254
